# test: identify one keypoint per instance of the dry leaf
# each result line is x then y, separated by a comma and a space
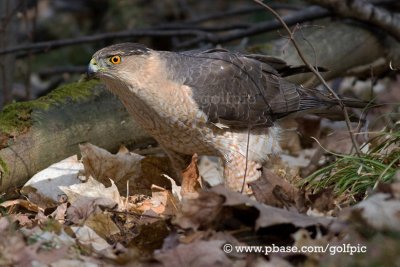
81, 209
102, 224
175, 189
190, 180
198, 254
88, 237
14, 251
43, 187
59, 213
269, 216
199, 212
323, 200
211, 170
93, 189
273, 190
23, 203
102, 165
162, 202
380, 211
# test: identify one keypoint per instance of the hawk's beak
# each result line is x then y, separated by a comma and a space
92, 68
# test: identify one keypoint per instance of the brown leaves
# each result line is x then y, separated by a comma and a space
191, 179
200, 212
198, 254
102, 165
182, 226
273, 190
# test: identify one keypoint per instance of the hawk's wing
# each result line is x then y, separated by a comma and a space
233, 89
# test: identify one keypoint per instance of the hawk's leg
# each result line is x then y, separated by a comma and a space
234, 172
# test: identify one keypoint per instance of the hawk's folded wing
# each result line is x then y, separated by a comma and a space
236, 90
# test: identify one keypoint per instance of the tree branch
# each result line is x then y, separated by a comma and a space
241, 11
307, 14
200, 34
45, 46
366, 12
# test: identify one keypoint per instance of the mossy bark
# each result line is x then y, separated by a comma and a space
38, 133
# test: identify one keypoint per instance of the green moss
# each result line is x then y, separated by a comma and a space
74, 91
16, 117
3, 168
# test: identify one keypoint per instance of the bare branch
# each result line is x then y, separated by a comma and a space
199, 34
241, 11
365, 11
45, 46
307, 14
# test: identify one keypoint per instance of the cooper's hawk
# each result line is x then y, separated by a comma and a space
206, 102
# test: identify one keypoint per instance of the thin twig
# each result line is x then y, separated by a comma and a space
241, 11
307, 14
247, 159
45, 46
315, 71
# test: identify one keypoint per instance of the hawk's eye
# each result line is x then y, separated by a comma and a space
115, 59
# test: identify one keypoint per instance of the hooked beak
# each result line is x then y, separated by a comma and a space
92, 68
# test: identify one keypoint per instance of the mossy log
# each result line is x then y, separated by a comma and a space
35, 134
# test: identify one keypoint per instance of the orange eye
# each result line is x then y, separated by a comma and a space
115, 59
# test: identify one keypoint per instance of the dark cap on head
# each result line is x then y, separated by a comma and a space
123, 49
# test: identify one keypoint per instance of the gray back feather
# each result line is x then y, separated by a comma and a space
234, 89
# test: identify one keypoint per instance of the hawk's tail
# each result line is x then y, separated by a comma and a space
329, 107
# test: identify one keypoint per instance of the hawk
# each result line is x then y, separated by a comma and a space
212, 102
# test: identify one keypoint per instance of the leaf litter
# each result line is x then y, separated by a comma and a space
103, 211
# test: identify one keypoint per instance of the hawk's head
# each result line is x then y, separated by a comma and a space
115, 60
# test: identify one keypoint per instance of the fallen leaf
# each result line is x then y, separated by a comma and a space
14, 251
93, 189
190, 180
23, 203
102, 165
43, 187
198, 254
102, 224
273, 190
150, 236
269, 216
323, 200
22, 219
90, 238
175, 189
73, 262
380, 211
81, 209
199, 212
162, 202
302, 238
59, 213
289, 139
211, 170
